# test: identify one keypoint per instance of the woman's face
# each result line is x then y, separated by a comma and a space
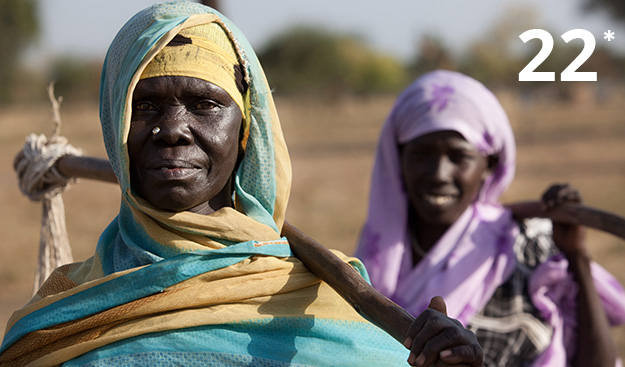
188, 161
442, 174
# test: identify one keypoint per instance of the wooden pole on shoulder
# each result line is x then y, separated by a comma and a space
100, 169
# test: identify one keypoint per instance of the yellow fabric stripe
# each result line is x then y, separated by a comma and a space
202, 59
260, 287
55, 292
226, 223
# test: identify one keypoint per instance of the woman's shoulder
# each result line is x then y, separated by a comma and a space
534, 243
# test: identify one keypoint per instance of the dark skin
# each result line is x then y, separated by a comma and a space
437, 340
443, 174
595, 346
189, 164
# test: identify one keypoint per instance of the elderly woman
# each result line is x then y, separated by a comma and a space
435, 227
193, 270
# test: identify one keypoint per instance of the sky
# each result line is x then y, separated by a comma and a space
86, 27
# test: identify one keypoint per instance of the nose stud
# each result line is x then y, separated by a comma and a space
156, 130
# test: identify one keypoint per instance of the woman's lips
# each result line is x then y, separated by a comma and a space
173, 169
438, 200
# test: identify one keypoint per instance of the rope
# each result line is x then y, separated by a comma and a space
41, 181
35, 166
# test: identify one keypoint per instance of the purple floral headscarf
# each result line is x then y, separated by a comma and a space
440, 100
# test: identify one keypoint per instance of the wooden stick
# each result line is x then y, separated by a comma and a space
572, 214
343, 278
100, 169
365, 299
86, 167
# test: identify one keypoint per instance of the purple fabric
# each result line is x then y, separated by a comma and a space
554, 293
441, 100
475, 255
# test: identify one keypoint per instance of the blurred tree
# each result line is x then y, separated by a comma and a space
367, 71
616, 8
19, 26
306, 60
431, 55
606, 63
377, 74
76, 79
494, 59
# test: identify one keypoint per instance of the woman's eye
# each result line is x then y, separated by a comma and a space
204, 105
416, 154
460, 157
143, 106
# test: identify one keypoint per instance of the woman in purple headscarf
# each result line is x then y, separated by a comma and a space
529, 291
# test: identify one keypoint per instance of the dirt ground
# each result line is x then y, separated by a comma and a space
332, 147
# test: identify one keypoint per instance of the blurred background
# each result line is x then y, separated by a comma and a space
336, 69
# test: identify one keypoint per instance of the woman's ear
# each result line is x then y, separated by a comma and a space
492, 161
241, 152
240, 156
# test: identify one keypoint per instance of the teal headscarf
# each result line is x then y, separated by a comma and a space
142, 234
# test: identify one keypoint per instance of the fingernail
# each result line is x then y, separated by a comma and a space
420, 359
411, 358
445, 353
408, 342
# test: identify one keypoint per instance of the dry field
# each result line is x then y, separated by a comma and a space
332, 147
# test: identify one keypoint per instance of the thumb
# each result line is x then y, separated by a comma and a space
437, 303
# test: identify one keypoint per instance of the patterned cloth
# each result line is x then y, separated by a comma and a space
475, 256
509, 327
187, 289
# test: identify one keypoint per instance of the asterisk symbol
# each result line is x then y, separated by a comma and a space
609, 35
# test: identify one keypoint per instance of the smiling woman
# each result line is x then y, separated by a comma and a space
428, 162
528, 289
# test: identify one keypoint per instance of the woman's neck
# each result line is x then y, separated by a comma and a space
426, 235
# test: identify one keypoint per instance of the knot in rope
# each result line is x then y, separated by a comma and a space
35, 166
